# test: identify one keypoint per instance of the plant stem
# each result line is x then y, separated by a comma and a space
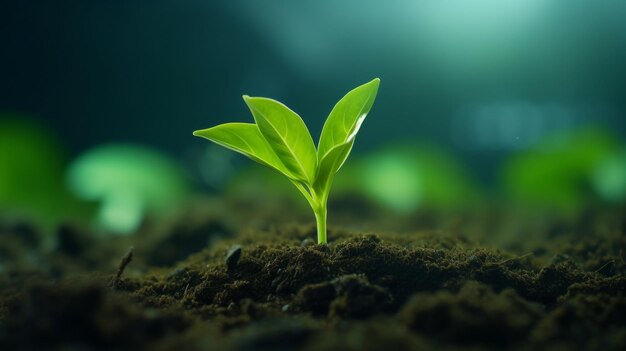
320, 219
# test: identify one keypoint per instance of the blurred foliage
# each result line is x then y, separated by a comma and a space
31, 173
129, 181
404, 177
261, 184
566, 171
609, 178
401, 178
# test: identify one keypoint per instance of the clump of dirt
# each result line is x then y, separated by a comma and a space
474, 314
275, 290
73, 315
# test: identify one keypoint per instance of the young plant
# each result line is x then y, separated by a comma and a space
280, 140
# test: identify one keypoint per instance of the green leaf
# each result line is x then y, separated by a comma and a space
246, 139
340, 129
329, 165
287, 135
346, 118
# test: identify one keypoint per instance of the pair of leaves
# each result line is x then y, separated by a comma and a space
279, 139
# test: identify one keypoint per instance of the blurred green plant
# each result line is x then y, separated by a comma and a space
31, 173
567, 170
128, 181
406, 176
609, 178
280, 140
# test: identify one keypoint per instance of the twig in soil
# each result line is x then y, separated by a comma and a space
604, 266
515, 258
185, 294
123, 263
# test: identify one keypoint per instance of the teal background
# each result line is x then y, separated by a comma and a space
523, 100
472, 75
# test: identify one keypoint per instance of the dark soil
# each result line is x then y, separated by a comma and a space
197, 286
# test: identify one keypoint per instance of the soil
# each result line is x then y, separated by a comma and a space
483, 280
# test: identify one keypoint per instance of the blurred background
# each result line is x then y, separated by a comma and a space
480, 101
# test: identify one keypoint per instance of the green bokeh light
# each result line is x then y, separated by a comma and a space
404, 177
609, 178
129, 181
557, 173
31, 172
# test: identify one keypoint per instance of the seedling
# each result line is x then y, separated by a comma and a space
280, 140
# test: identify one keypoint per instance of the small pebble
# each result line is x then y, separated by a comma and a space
232, 257
307, 242
473, 259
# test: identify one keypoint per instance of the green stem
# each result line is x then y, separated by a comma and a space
320, 219
318, 204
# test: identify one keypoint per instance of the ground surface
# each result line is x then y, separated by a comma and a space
205, 282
